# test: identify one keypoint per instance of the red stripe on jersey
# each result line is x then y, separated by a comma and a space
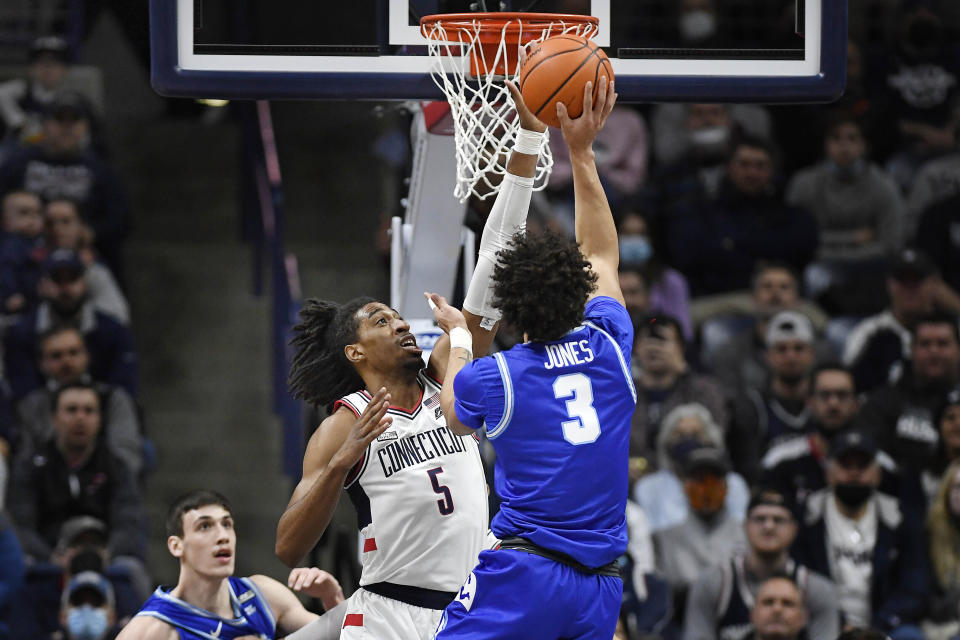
369, 544
355, 471
393, 407
342, 403
352, 620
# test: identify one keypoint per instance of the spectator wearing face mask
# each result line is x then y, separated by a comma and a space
859, 209
708, 535
88, 610
667, 289
661, 494
862, 539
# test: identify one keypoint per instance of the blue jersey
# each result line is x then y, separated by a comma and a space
252, 614
558, 415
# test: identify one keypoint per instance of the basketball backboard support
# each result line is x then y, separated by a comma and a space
373, 49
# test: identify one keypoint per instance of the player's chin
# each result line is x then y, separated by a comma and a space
413, 362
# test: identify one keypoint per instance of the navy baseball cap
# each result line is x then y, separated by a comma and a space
64, 260
54, 46
69, 106
771, 497
912, 266
89, 587
706, 459
853, 441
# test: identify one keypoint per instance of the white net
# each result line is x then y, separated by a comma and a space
485, 122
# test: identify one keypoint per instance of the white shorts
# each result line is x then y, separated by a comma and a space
373, 617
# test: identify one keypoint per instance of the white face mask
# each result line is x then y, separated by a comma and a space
697, 25
710, 141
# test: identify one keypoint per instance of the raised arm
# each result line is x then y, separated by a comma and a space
507, 218
334, 448
593, 220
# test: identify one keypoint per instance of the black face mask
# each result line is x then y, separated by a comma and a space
852, 494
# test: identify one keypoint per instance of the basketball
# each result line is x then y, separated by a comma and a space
556, 71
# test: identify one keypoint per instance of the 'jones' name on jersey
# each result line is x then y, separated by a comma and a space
568, 354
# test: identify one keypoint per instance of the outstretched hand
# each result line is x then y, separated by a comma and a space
371, 423
446, 316
580, 133
528, 121
316, 583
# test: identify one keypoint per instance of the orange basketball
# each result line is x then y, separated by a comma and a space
556, 71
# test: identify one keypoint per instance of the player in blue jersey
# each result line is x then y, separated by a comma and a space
557, 410
208, 602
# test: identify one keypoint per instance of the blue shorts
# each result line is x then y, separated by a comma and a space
514, 594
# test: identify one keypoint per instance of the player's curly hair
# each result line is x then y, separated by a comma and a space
320, 372
541, 284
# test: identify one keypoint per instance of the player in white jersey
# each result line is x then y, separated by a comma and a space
418, 489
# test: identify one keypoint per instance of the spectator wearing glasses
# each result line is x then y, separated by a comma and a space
65, 300
721, 601
762, 419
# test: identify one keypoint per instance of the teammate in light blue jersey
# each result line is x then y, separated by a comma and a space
557, 410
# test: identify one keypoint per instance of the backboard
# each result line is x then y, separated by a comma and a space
759, 51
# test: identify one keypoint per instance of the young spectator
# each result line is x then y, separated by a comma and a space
779, 613
75, 474
64, 166
667, 290
22, 250
24, 101
661, 494
741, 361
65, 301
943, 532
902, 414
721, 599
708, 535
88, 608
66, 230
64, 360
858, 208
879, 344
664, 381
865, 543
761, 419
717, 246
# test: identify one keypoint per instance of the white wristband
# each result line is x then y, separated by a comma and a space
460, 338
529, 142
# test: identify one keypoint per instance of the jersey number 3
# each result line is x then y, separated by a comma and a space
584, 426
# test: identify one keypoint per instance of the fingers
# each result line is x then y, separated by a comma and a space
601, 104
375, 411
562, 115
587, 100
514, 92
436, 301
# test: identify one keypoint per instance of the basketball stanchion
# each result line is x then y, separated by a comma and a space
473, 54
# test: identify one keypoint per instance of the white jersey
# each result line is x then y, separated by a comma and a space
420, 496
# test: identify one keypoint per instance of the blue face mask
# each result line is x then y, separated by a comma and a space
635, 251
86, 623
849, 172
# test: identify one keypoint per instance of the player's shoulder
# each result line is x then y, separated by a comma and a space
144, 627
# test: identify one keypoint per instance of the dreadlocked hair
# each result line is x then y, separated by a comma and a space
320, 372
541, 284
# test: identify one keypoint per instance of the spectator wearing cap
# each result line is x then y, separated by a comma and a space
798, 466
708, 536
721, 599
75, 474
22, 249
878, 344
67, 230
88, 608
859, 209
664, 380
64, 360
717, 244
902, 415
779, 612
864, 541
65, 300
64, 166
24, 101
943, 534
762, 419
686, 428
740, 361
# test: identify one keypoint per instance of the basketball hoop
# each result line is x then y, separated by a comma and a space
473, 54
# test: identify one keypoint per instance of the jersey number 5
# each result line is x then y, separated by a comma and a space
584, 426
445, 505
